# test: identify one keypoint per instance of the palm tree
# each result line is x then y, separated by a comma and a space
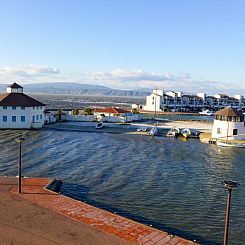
75, 111
88, 111
59, 113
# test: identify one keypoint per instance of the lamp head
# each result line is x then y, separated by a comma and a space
230, 184
20, 139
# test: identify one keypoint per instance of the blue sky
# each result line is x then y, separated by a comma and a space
173, 44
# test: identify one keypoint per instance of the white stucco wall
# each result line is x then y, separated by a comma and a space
150, 103
28, 112
49, 119
79, 118
227, 130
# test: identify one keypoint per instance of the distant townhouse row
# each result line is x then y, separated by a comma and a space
177, 101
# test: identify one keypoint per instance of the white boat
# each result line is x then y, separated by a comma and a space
154, 131
142, 129
173, 132
230, 144
206, 113
186, 132
99, 125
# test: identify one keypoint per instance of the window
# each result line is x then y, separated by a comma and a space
22, 119
41, 117
5, 118
23, 108
13, 118
218, 130
235, 131
33, 118
14, 107
37, 117
5, 107
33, 107
41, 107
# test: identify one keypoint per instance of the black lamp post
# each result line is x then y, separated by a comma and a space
19, 141
229, 185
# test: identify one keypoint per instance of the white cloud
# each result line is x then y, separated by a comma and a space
27, 74
118, 79
125, 79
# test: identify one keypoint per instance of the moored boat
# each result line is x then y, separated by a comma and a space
154, 131
99, 125
230, 144
186, 132
195, 134
173, 132
206, 113
142, 129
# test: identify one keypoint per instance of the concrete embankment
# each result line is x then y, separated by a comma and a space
38, 216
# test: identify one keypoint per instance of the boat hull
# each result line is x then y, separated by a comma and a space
206, 113
186, 132
173, 132
230, 144
154, 131
99, 125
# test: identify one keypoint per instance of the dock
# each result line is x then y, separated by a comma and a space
205, 137
41, 216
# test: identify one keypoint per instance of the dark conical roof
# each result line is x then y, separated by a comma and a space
18, 99
14, 85
229, 112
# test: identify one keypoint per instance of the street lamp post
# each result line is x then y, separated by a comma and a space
19, 141
229, 185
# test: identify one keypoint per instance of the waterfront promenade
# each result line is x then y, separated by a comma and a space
39, 216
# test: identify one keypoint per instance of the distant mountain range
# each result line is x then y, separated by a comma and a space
78, 89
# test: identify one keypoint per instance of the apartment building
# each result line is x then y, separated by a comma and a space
177, 101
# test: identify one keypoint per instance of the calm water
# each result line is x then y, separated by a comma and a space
171, 184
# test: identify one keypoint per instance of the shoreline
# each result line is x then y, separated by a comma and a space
129, 127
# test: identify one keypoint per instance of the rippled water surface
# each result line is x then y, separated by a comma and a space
172, 184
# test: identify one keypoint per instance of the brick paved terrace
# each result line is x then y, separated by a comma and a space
119, 229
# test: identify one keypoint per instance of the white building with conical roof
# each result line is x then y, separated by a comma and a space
228, 125
20, 111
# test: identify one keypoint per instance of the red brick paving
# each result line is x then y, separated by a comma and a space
33, 189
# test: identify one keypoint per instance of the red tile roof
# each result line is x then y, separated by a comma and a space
18, 99
112, 110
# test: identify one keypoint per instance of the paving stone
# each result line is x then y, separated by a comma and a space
129, 230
